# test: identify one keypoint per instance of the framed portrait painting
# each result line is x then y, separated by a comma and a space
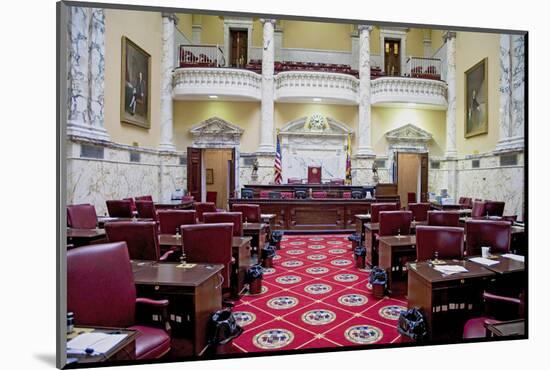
476, 102
135, 99
209, 176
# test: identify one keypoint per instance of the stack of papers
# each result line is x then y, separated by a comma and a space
99, 343
484, 261
514, 257
450, 269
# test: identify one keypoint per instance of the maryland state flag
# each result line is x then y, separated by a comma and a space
348, 161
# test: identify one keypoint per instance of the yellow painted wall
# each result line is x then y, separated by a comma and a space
415, 44
375, 41
316, 35
437, 40
185, 25
257, 32
212, 30
246, 115
470, 49
144, 29
386, 119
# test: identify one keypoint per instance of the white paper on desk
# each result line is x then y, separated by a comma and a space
99, 342
514, 257
484, 261
450, 269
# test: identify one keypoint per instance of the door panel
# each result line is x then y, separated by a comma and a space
407, 175
194, 172
424, 177
232, 172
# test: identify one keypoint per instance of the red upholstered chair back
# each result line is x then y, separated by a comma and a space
141, 238
132, 203
251, 212
145, 197
293, 180
287, 194
395, 222
319, 194
81, 216
146, 209
119, 208
187, 198
202, 207
264, 194
411, 197
482, 233
376, 208
443, 218
171, 219
211, 196
419, 211
209, 243
100, 285
236, 218
447, 241
494, 208
465, 202
478, 209
337, 181
346, 195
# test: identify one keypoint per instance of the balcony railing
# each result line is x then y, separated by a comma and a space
418, 67
201, 56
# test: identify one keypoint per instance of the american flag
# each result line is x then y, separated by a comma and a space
348, 161
278, 165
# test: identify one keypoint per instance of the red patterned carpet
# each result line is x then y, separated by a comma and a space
314, 297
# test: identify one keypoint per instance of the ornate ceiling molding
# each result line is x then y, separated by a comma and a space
315, 125
409, 137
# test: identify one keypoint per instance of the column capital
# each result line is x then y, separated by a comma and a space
171, 16
268, 20
447, 35
364, 27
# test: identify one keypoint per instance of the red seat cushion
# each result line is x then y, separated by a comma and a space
475, 328
151, 342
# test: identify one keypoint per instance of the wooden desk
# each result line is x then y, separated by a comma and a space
258, 233
393, 253
101, 221
194, 294
507, 328
175, 204
510, 279
446, 301
123, 351
360, 221
446, 207
81, 237
269, 218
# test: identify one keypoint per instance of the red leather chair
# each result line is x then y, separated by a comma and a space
293, 180
251, 212
478, 209
145, 197
337, 181
209, 243
447, 241
141, 239
264, 194
395, 222
443, 218
376, 208
81, 216
319, 194
132, 203
411, 197
287, 195
494, 208
346, 195
187, 198
419, 211
101, 292
170, 219
236, 218
476, 327
146, 209
211, 196
465, 202
119, 208
203, 207
485, 233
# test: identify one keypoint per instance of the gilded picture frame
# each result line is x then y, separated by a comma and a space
476, 100
209, 176
135, 87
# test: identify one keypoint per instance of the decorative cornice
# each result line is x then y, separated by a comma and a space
364, 27
268, 20
448, 35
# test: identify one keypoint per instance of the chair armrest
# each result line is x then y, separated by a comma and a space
153, 302
166, 255
153, 312
499, 298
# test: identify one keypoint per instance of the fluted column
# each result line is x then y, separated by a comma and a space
268, 59
169, 21
364, 130
86, 73
450, 38
512, 93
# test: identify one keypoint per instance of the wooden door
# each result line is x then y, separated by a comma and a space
424, 177
232, 173
408, 175
239, 48
194, 173
392, 57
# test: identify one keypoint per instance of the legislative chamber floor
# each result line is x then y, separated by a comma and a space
315, 297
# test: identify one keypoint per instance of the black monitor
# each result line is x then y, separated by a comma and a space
247, 193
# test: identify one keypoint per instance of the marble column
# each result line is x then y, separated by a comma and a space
169, 21
86, 73
450, 39
268, 59
512, 93
364, 134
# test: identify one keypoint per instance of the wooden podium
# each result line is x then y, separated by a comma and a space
314, 174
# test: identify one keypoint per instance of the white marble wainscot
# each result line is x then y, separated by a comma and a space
361, 171
266, 170
438, 178
95, 180
493, 182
